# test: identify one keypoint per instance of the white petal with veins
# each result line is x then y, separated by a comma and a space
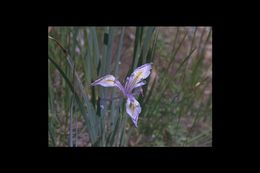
105, 81
133, 109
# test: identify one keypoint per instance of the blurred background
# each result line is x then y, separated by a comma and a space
177, 101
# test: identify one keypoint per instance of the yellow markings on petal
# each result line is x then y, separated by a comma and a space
132, 106
110, 81
138, 75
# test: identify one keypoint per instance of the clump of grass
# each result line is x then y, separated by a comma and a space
179, 111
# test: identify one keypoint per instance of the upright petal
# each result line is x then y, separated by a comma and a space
137, 91
139, 84
126, 82
133, 109
105, 81
138, 75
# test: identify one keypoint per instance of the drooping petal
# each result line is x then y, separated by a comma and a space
109, 81
133, 109
138, 75
105, 81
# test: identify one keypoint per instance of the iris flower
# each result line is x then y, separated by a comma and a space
132, 88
